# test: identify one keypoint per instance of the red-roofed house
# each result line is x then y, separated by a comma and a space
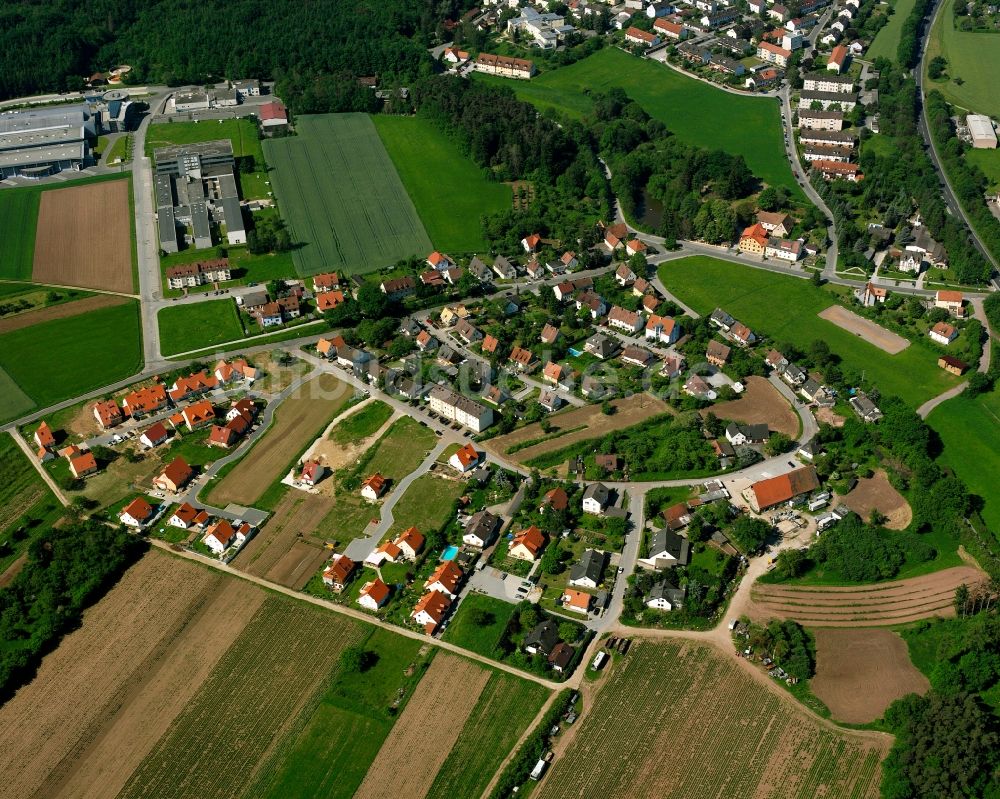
753, 239
329, 300
373, 595
838, 59
198, 414
465, 459
175, 476
312, 473
670, 30
635, 246
328, 281
662, 329
187, 516
83, 464
527, 545
220, 536
154, 435
576, 600
530, 243
196, 383
144, 401
440, 261
137, 513
338, 573
44, 437
108, 414
373, 487
430, 611
410, 542
773, 491
773, 54
643, 38
556, 499
273, 116
446, 578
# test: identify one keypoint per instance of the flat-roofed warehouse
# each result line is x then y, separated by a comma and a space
42, 142
195, 185
981, 130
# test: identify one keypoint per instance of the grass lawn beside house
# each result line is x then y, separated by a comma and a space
399, 451
426, 504
785, 309
463, 631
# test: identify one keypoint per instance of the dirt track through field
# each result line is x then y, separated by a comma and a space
149, 708
296, 422
81, 685
864, 328
628, 412
297, 513
298, 565
859, 673
877, 493
761, 403
878, 605
84, 237
427, 730
62, 311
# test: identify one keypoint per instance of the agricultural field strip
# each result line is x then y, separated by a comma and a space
950, 577
79, 684
103, 767
447, 693
615, 754
296, 513
247, 705
505, 709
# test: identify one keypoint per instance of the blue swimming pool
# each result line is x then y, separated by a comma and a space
575, 353
450, 553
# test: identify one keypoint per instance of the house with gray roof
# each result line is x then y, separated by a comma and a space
664, 596
589, 570
596, 497
482, 529
667, 548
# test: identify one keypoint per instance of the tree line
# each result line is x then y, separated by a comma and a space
68, 568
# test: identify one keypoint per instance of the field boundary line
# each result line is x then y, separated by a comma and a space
72, 288
358, 615
516, 748
242, 340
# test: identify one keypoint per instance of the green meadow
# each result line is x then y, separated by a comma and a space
970, 79
696, 112
202, 324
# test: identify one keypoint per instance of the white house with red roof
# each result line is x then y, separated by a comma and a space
137, 513
440, 261
662, 329
446, 578
154, 435
373, 487
373, 595
465, 459
187, 516
272, 116
430, 611
531, 242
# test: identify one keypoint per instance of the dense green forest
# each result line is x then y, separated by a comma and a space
51, 46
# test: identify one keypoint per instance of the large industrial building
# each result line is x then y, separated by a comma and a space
194, 186
42, 141
981, 131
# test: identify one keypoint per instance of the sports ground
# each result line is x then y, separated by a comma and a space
694, 111
786, 309
450, 192
342, 198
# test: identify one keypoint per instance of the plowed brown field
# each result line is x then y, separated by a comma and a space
297, 513
761, 403
296, 423
128, 648
859, 673
878, 605
877, 493
427, 730
84, 237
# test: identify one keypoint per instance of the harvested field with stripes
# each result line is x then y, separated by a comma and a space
677, 720
878, 605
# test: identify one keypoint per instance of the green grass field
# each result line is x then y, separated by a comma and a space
505, 709
483, 640
361, 424
696, 112
399, 451
63, 358
785, 309
970, 430
24, 498
196, 325
331, 754
340, 194
426, 504
973, 57
988, 162
450, 192
18, 218
886, 41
